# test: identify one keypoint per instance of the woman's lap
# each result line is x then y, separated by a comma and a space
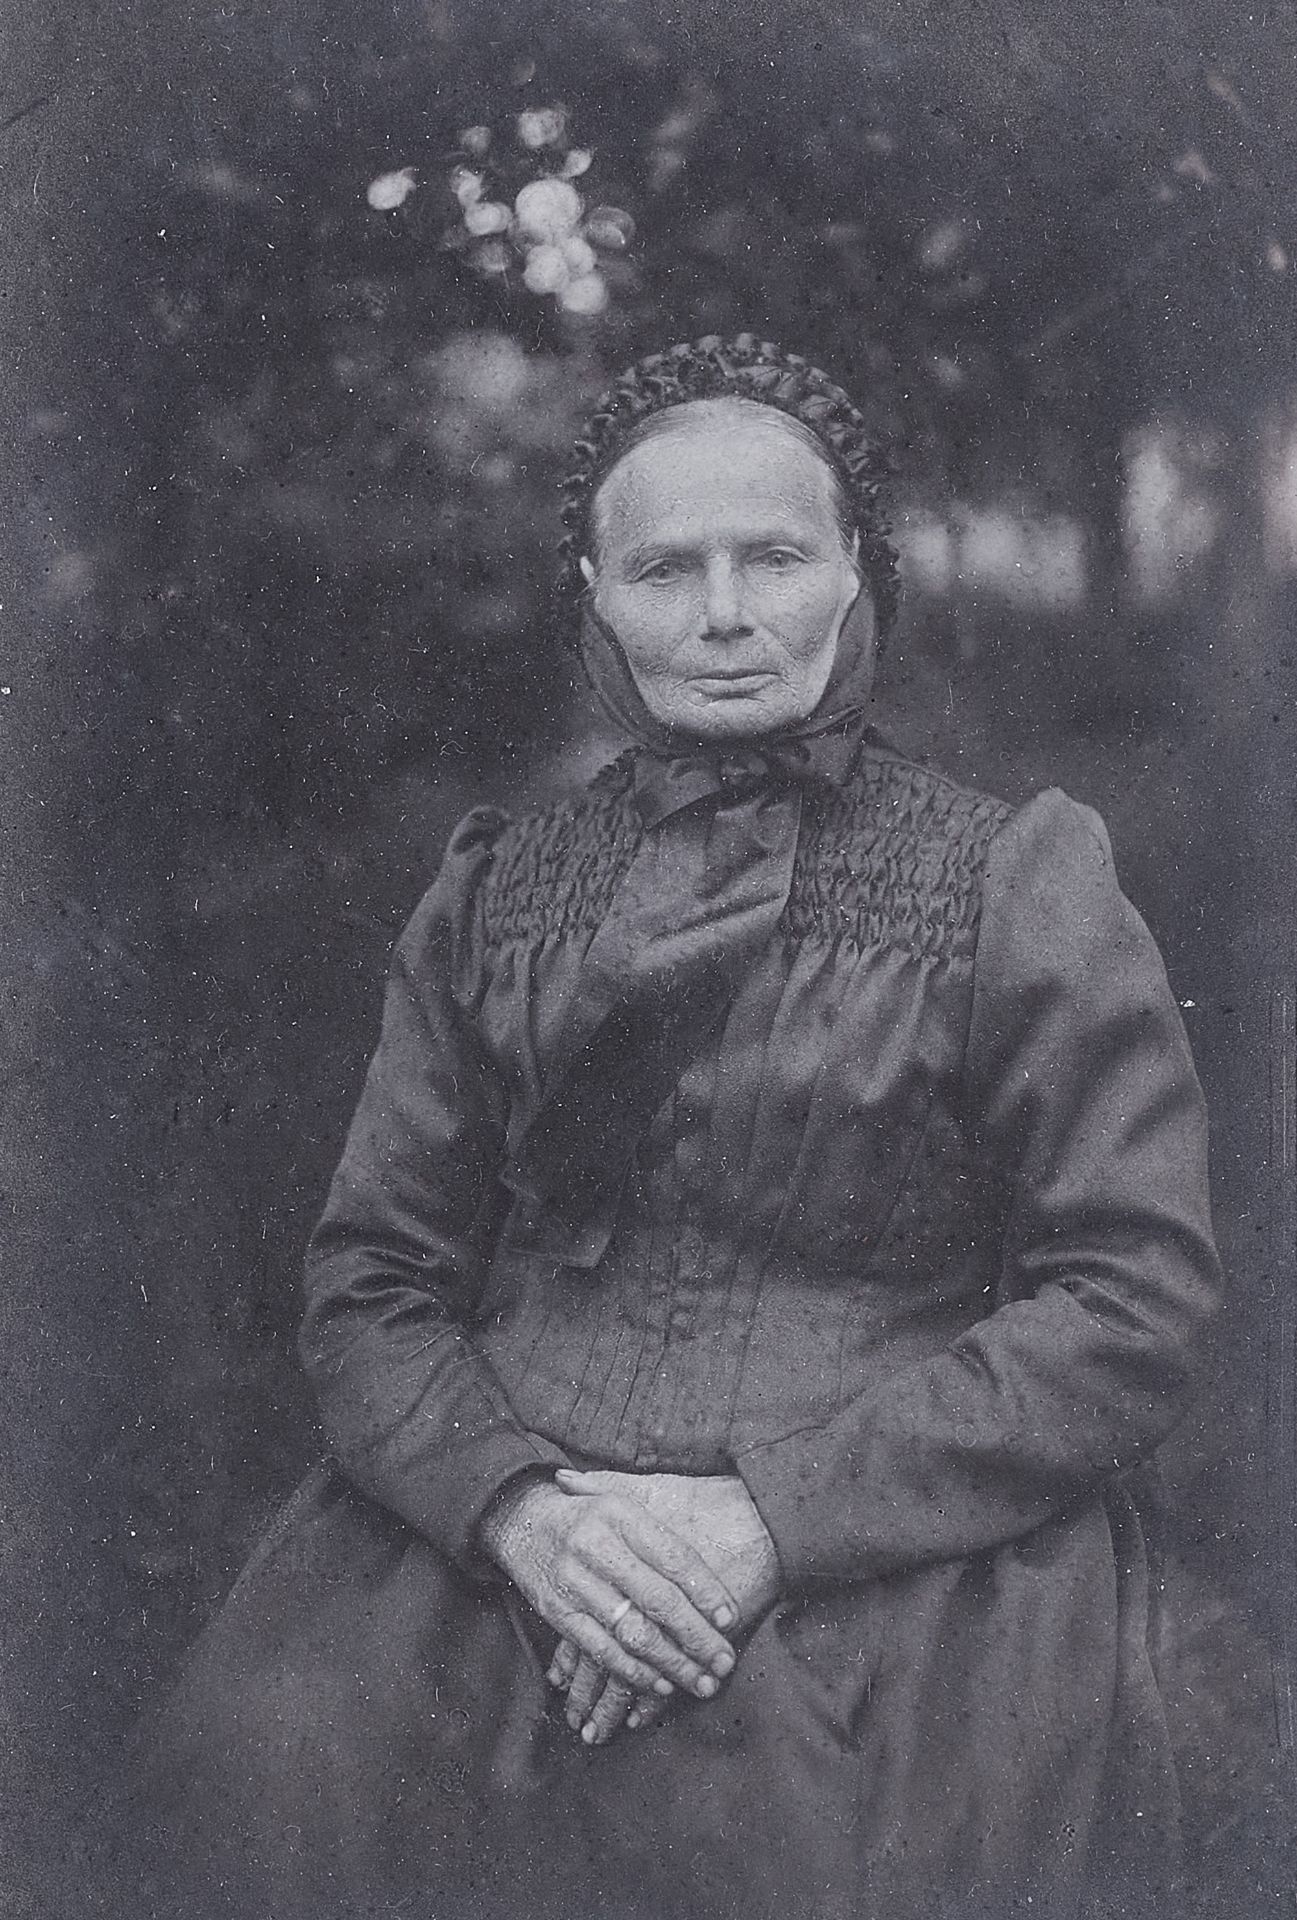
362, 1731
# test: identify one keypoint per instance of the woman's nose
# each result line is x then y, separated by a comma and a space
724, 597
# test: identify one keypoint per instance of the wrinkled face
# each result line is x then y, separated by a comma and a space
721, 568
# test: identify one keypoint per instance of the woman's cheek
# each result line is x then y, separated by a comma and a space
649, 636
807, 613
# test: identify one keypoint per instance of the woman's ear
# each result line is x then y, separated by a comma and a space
857, 574
587, 567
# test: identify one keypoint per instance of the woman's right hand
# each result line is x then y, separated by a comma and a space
625, 1589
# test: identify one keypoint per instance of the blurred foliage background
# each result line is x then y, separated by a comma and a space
295, 371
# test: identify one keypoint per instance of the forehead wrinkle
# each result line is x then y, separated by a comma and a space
805, 489
673, 540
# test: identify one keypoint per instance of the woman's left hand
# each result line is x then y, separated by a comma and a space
716, 1515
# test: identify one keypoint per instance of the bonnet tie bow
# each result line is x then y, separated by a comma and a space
666, 782
703, 895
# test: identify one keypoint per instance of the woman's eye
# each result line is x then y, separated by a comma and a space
659, 571
780, 559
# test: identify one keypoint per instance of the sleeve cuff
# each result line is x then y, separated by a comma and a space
863, 1535
465, 1485
784, 1479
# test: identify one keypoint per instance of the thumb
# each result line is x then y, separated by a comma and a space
572, 1480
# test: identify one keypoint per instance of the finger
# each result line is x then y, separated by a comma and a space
702, 1585
583, 1625
563, 1665
645, 1712
588, 1683
633, 1633
661, 1601
674, 1558
610, 1712
631, 1630
602, 1648
639, 1565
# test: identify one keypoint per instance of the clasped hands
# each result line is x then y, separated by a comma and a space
645, 1577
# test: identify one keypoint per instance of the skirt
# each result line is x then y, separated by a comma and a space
365, 1731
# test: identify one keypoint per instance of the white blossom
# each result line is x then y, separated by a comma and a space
579, 256
587, 295
548, 209
546, 270
390, 190
488, 216
466, 186
541, 126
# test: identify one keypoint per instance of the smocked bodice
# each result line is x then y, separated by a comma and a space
895, 858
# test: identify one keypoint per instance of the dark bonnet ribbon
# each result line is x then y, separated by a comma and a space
702, 896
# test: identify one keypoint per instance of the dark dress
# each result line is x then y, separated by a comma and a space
919, 1247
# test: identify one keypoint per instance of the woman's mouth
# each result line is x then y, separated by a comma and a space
732, 679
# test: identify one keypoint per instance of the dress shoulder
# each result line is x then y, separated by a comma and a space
1052, 899
443, 937
1051, 826
546, 873
1071, 998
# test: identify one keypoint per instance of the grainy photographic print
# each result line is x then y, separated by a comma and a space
650, 1005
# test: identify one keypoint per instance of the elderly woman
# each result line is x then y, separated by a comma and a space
772, 1236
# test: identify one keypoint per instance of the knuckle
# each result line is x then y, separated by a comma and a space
681, 1625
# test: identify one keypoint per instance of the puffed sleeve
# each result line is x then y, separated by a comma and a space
1081, 1091
413, 1410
